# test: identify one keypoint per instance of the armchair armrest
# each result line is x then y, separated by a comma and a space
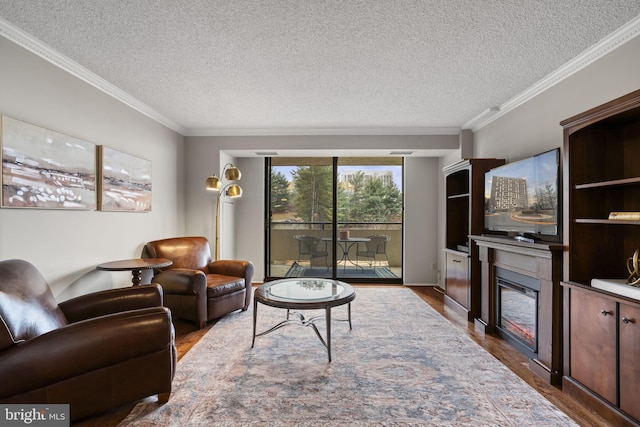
83, 347
237, 268
182, 281
111, 301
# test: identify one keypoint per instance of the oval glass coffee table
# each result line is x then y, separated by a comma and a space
303, 294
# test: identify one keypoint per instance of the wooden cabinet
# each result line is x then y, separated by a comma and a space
457, 270
464, 185
593, 342
629, 336
601, 352
601, 333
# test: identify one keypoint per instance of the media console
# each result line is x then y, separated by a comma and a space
532, 273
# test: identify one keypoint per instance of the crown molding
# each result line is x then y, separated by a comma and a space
35, 46
323, 131
595, 52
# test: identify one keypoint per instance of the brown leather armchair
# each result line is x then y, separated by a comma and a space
94, 352
195, 287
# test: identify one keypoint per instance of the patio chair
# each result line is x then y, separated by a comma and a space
372, 249
308, 247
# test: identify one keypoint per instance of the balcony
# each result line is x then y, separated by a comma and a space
284, 250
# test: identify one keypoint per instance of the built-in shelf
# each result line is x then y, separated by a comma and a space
464, 186
606, 221
457, 196
601, 151
612, 183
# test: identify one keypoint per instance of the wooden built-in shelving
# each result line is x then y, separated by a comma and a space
602, 175
464, 206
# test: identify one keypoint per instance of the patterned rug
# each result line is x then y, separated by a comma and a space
403, 364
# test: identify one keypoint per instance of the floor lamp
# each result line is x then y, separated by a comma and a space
231, 190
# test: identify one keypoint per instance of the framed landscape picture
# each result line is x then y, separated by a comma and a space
45, 169
125, 181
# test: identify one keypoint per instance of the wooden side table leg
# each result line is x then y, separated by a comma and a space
136, 277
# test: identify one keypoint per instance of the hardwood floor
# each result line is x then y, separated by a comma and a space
187, 336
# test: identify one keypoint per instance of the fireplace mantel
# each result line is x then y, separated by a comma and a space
542, 261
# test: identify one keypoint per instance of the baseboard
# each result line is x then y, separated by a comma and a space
552, 377
418, 285
598, 405
455, 306
481, 326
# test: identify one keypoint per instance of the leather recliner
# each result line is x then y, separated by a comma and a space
94, 352
195, 287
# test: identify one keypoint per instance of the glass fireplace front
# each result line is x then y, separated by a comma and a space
517, 306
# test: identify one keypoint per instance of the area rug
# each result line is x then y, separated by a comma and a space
403, 364
297, 270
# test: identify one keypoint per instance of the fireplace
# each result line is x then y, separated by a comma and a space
530, 274
517, 310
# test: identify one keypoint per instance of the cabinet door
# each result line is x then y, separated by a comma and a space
629, 327
458, 278
593, 342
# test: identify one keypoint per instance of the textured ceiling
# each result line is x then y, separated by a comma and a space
334, 66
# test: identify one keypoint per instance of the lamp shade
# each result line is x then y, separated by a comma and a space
234, 191
232, 173
213, 183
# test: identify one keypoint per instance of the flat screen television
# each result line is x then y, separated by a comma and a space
523, 199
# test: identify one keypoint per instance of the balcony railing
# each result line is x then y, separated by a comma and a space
284, 247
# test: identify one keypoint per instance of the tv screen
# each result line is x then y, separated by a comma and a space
522, 198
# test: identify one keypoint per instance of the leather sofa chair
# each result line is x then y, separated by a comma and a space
195, 287
94, 352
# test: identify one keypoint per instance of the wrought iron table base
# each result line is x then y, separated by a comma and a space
301, 320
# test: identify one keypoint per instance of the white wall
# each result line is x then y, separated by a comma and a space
250, 215
67, 245
421, 192
422, 223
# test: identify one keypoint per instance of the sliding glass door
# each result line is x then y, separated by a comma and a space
334, 217
369, 210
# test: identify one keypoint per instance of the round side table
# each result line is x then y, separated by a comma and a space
136, 266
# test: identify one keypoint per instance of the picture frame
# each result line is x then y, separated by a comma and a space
45, 169
125, 181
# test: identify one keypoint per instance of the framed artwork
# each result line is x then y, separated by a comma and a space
125, 181
45, 169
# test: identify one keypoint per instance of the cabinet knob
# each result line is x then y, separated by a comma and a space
627, 320
606, 313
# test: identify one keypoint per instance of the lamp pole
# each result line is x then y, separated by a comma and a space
231, 190
217, 248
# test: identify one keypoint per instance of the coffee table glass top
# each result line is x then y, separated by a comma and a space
306, 289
